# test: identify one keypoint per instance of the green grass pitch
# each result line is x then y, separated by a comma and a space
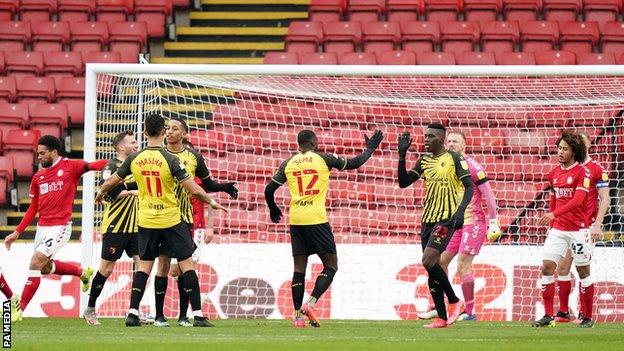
74, 335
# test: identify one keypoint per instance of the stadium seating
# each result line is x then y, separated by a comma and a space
442, 10
6, 176
281, 58
579, 37
326, 11
75, 10
420, 36
112, 11
8, 89
381, 36
562, 11
404, 11
70, 91
499, 37
521, 10
8, 9
304, 37
596, 59
612, 39
37, 10
154, 13
13, 116
396, 58
539, 36
601, 11
459, 36
341, 37
22, 63
475, 58
88, 36
49, 119
516, 58
63, 63
14, 36
49, 36
21, 145
357, 58
482, 11
33, 90
555, 58
366, 10
128, 39
319, 58
101, 57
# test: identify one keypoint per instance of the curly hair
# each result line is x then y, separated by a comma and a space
575, 141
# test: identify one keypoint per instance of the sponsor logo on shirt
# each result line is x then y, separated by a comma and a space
45, 188
563, 192
480, 175
569, 180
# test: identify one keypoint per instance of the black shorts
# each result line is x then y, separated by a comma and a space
114, 245
436, 235
312, 239
174, 242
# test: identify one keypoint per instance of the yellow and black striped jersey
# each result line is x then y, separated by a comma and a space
195, 166
157, 172
307, 174
120, 215
443, 187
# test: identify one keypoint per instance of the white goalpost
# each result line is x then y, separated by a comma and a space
244, 119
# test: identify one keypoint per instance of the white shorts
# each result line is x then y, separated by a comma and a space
49, 240
198, 238
559, 241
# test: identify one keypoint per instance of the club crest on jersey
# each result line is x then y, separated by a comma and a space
60, 173
569, 180
586, 182
480, 175
464, 165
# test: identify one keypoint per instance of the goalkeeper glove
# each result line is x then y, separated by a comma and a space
494, 231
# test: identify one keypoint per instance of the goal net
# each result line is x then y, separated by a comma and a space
245, 124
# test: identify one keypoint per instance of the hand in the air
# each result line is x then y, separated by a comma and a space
231, 190
405, 141
373, 143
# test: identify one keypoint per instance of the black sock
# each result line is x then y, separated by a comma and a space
96, 288
323, 281
184, 298
192, 289
160, 289
138, 288
298, 289
437, 294
438, 273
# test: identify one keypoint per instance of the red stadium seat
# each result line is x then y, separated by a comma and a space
511, 118
380, 36
88, 36
8, 8
459, 36
490, 141
319, 58
24, 63
35, 89
341, 113
2, 63
21, 145
475, 58
562, 11
112, 11
70, 87
435, 58
49, 36
154, 13
516, 194
547, 118
469, 116
75, 110
612, 39
396, 58
101, 57
499, 37
267, 113
555, 58
307, 113
579, 37
280, 139
381, 166
442, 10
366, 10
63, 63
304, 37
37, 10
6, 177
230, 115
515, 167
281, 58
389, 194
238, 139
211, 140
341, 37
482, 11
128, 39
420, 36
8, 89
601, 11
75, 10
357, 58
14, 36
539, 36
326, 11
49, 119
404, 11
596, 59
354, 194
516, 58
13, 116
521, 10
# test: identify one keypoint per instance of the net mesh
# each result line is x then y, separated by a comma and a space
247, 125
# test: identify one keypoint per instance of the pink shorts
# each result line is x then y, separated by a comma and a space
469, 239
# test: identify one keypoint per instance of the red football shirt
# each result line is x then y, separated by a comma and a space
55, 188
598, 178
565, 182
199, 215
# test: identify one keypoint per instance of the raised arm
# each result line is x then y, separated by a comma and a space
405, 178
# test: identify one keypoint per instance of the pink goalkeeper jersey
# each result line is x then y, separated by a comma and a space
474, 212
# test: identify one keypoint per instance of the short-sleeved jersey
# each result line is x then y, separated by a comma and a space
120, 216
55, 188
598, 178
195, 166
443, 186
474, 211
564, 183
156, 172
199, 210
307, 174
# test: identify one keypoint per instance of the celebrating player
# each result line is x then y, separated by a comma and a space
568, 219
119, 223
52, 192
468, 240
307, 174
160, 226
598, 190
444, 173
195, 166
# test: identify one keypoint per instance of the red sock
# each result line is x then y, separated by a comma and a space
32, 284
64, 268
565, 286
587, 296
548, 295
4, 287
